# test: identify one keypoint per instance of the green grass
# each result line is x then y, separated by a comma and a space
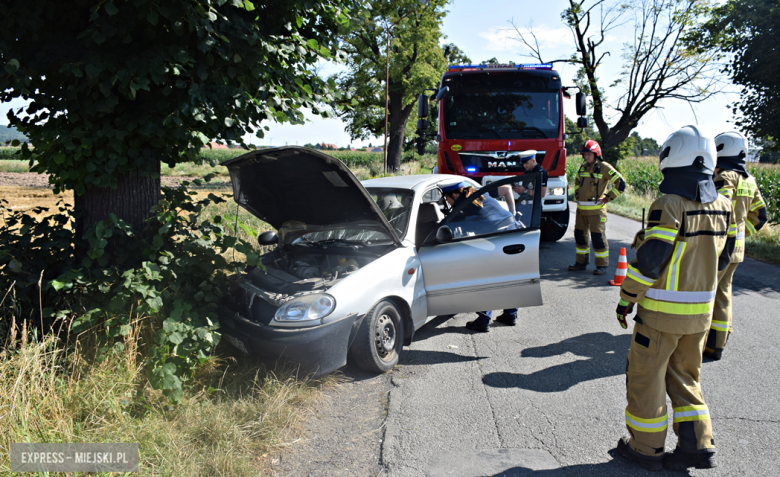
765, 245
13, 166
233, 416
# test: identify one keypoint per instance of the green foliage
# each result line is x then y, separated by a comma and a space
117, 87
10, 153
417, 62
746, 30
768, 180
173, 273
454, 55
643, 146
643, 176
578, 138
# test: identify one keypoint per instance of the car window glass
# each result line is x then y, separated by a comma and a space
483, 215
396, 205
433, 195
365, 231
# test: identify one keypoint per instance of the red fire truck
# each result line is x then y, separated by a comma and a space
487, 114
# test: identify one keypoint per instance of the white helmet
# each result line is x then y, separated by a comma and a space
731, 144
683, 147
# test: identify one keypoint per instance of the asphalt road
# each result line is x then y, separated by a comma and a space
547, 397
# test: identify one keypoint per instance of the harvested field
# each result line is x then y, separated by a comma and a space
24, 198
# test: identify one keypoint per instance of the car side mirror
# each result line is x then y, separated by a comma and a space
444, 234
422, 106
580, 105
442, 92
582, 123
268, 238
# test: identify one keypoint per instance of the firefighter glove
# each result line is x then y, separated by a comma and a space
624, 309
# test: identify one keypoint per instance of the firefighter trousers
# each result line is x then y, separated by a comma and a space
659, 364
721, 314
597, 225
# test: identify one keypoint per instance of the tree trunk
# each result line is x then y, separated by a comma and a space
398, 116
131, 201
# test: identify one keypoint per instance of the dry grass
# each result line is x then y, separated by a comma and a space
27, 198
232, 421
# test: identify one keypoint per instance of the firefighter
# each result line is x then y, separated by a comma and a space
690, 236
594, 178
733, 181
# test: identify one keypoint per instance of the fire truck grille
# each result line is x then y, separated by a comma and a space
493, 161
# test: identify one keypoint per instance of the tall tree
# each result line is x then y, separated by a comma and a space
117, 87
747, 30
657, 64
417, 62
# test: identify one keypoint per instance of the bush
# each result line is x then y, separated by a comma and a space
173, 274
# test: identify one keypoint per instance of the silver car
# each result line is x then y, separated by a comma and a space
358, 268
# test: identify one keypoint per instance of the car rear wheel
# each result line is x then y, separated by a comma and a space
379, 339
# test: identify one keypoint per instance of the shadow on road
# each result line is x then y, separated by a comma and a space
607, 357
617, 466
412, 356
438, 326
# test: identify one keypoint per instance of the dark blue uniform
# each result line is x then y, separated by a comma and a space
481, 220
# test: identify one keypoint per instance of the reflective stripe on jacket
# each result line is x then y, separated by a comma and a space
594, 182
748, 207
674, 275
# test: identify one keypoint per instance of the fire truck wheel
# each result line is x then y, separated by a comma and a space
554, 225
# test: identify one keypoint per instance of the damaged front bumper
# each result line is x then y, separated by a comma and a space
317, 349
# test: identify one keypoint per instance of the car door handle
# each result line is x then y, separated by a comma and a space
513, 249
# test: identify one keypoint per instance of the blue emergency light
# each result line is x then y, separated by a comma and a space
471, 169
529, 66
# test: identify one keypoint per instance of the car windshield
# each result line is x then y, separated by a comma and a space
396, 205
500, 107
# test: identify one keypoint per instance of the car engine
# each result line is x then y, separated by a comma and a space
298, 269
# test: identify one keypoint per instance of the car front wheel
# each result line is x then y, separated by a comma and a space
379, 339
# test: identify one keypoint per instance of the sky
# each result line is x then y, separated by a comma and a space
482, 29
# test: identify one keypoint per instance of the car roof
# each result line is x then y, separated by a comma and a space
414, 182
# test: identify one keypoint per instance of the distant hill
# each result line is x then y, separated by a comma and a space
9, 134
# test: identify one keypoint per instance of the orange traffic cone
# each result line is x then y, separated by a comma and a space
622, 268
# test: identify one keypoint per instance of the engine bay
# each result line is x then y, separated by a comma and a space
301, 268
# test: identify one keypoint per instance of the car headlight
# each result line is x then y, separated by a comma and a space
307, 307
557, 191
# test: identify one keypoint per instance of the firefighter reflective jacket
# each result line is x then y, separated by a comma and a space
594, 182
749, 208
674, 275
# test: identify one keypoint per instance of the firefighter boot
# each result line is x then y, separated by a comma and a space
647, 462
681, 460
600, 271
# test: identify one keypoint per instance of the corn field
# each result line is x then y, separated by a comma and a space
643, 177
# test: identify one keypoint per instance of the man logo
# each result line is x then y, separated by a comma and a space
502, 164
457, 147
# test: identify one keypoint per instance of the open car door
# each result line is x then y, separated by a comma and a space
476, 261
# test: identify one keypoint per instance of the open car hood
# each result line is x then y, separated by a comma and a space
297, 183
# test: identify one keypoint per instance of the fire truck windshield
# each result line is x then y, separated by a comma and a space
495, 107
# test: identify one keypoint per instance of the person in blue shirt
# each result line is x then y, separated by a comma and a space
483, 215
